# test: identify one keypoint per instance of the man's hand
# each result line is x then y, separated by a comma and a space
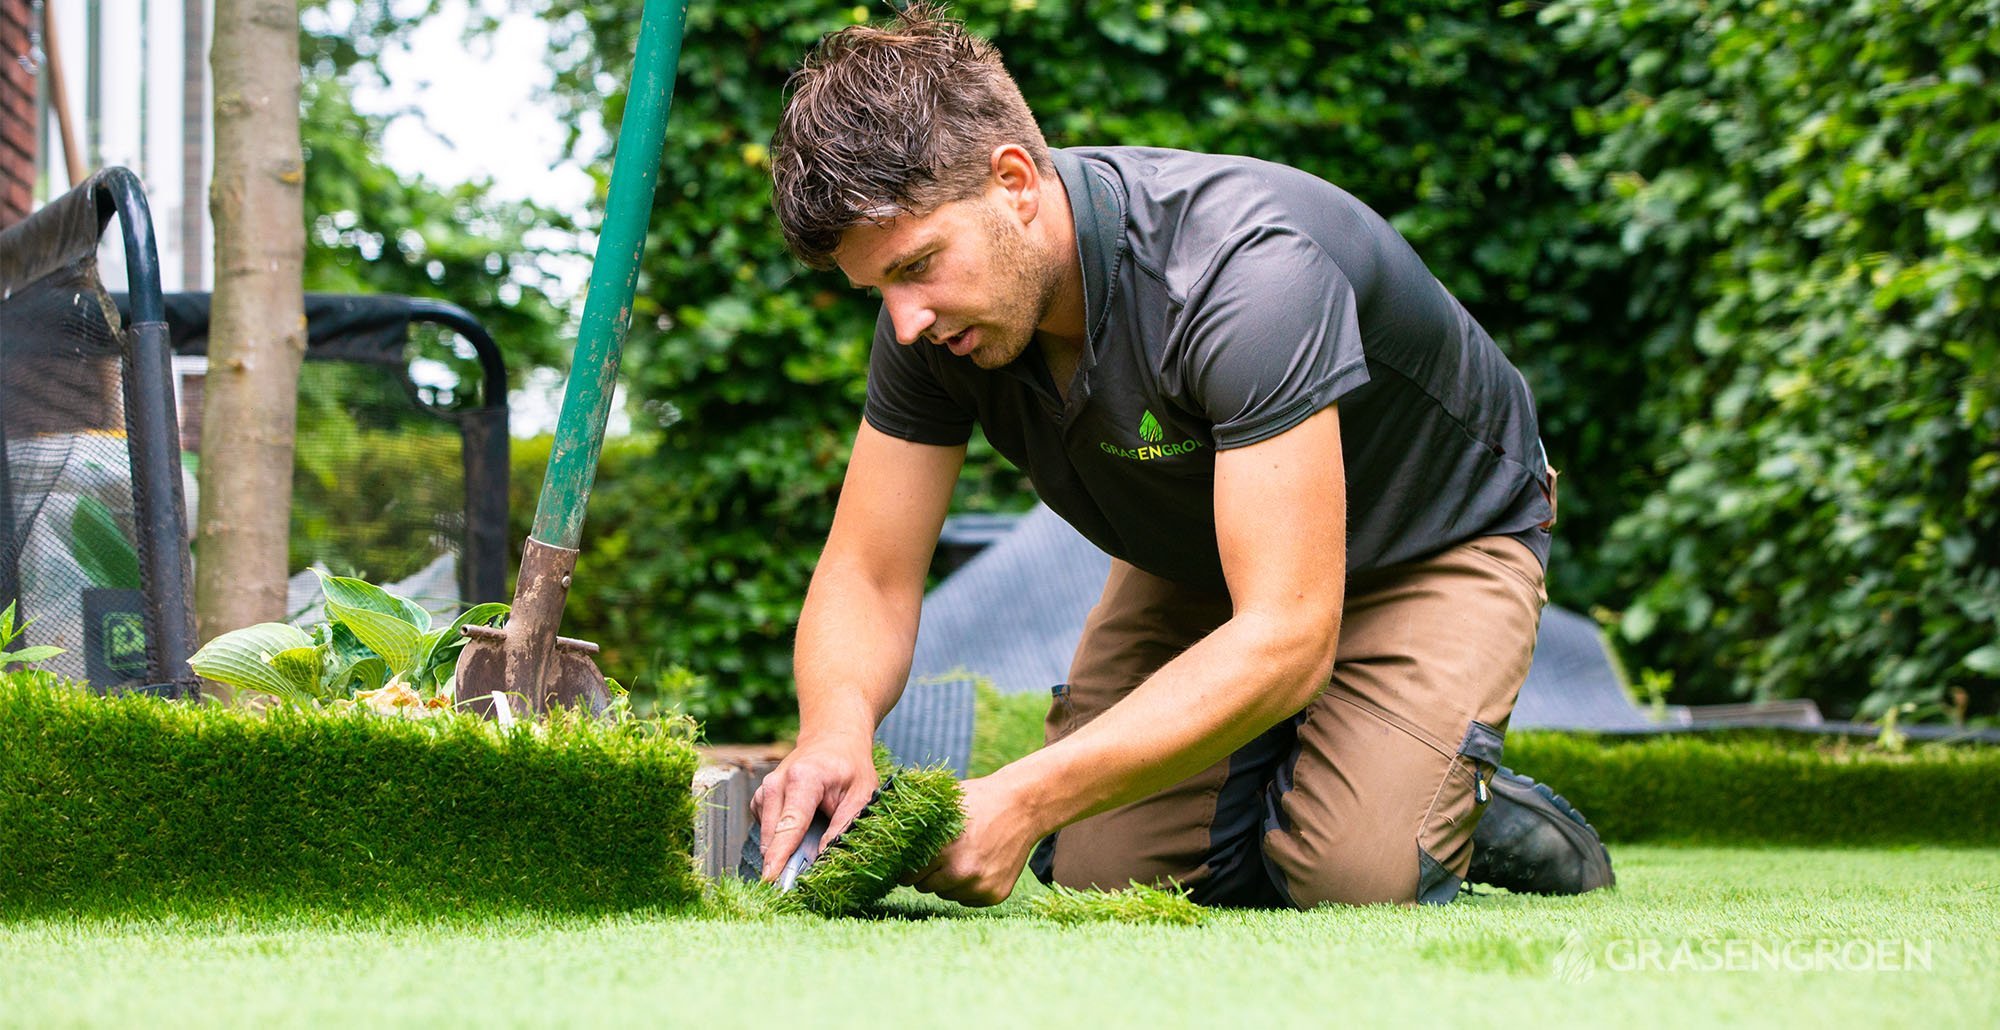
836, 776
983, 864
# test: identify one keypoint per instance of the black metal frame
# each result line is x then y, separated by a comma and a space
486, 453
152, 429
486, 447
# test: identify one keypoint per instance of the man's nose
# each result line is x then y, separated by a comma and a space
910, 315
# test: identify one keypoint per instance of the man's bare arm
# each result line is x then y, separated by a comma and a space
1280, 515
856, 631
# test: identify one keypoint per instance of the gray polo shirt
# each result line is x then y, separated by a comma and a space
1227, 300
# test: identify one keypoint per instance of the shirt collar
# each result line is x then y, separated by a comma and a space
1098, 212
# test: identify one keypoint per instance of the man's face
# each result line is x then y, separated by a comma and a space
966, 277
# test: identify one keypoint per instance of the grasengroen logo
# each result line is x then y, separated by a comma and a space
1151, 433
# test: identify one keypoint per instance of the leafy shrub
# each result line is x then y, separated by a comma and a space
371, 638
1808, 193
115, 804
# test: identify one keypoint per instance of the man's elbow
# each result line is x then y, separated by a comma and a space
1304, 648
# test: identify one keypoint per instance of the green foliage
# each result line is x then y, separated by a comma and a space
1808, 195
378, 486
1747, 788
1138, 903
916, 814
371, 230
128, 804
1443, 114
371, 638
101, 548
9, 632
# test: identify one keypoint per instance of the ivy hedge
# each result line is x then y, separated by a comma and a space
133, 803
1744, 252
1806, 193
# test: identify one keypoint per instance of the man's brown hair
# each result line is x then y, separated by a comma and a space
893, 119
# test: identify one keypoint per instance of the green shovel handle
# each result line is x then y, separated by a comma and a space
614, 275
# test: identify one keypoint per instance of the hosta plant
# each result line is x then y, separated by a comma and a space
374, 649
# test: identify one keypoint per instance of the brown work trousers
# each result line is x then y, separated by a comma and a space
1370, 794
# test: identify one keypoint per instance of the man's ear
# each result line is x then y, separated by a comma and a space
1015, 174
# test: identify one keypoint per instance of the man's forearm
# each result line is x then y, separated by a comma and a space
853, 653
1212, 699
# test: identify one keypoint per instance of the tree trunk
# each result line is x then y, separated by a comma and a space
257, 335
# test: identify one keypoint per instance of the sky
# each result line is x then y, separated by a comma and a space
481, 117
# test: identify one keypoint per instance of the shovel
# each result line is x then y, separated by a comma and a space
526, 660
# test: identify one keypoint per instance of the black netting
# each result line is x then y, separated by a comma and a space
400, 455
69, 545
379, 485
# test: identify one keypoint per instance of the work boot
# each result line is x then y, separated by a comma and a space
1531, 841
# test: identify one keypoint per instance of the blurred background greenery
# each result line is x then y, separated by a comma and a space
1745, 253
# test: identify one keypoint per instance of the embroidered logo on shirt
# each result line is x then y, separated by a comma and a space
1152, 434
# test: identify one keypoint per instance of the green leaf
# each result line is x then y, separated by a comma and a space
241, 659
28, 655
390, 626
351, 593
441, 647
392, 639
100, 548
1985, 661
366, 674
300, 666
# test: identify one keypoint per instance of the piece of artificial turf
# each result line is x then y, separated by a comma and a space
917, 813
132, 804
1138, 903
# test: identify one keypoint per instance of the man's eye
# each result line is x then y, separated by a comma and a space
917, 267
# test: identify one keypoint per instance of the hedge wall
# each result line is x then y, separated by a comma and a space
1807, 194
114, 804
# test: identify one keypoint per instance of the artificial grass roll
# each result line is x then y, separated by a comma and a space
131, 802
916, 814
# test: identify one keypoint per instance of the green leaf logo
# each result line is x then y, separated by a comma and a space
1149, 428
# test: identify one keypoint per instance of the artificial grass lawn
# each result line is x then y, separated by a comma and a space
1485, 961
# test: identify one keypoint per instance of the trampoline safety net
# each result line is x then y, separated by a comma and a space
71, 544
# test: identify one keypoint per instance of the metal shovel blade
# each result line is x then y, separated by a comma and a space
572, 678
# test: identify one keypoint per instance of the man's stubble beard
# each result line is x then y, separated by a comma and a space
1029, 292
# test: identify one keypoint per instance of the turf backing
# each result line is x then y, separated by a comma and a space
132, 804
1496, 960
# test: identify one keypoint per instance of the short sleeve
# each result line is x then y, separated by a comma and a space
1269, 336
905, 398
